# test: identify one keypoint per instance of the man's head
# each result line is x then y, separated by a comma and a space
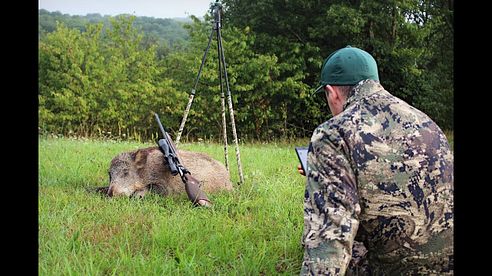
343, 69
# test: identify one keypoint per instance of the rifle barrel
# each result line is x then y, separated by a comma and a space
160, 125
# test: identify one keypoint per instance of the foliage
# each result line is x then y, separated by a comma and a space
110, 76
167, 33
255, 81
90, 82
411, 40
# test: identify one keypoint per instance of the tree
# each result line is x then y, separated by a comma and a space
97, 81
411, 40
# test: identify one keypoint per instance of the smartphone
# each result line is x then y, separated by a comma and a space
302, 155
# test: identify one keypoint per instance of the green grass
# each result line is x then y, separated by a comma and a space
450, 136
254, 230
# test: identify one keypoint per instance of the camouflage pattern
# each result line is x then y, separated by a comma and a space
379, 194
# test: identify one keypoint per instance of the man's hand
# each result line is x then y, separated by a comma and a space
300, 170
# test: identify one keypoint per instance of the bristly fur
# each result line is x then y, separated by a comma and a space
137, 172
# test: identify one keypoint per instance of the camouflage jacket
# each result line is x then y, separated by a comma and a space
380, 175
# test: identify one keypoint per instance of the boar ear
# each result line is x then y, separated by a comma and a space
140, 159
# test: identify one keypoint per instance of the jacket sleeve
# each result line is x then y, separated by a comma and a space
331, 206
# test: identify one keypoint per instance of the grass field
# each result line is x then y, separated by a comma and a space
254, 230
450, 136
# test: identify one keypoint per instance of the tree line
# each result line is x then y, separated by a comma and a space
109, 77
166, 33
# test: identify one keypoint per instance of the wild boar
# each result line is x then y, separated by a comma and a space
137, 172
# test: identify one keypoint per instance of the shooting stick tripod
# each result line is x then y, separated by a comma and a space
216, 9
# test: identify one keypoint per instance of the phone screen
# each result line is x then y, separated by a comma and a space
302, 155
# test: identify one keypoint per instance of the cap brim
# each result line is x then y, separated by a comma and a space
319, 89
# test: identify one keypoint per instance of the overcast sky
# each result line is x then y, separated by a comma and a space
151, 8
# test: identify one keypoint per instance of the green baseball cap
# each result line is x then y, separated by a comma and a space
347, 66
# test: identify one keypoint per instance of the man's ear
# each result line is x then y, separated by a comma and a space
329, 90
335, 93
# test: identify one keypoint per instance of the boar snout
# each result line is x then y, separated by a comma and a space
135, 189
114, 191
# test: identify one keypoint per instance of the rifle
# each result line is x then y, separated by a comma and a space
166, 145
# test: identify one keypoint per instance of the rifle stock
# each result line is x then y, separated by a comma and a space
195, 194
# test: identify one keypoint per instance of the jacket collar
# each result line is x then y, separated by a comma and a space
361, 90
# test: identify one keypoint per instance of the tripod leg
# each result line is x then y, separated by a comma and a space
231, 110
192, 94
185, 115
224, 121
